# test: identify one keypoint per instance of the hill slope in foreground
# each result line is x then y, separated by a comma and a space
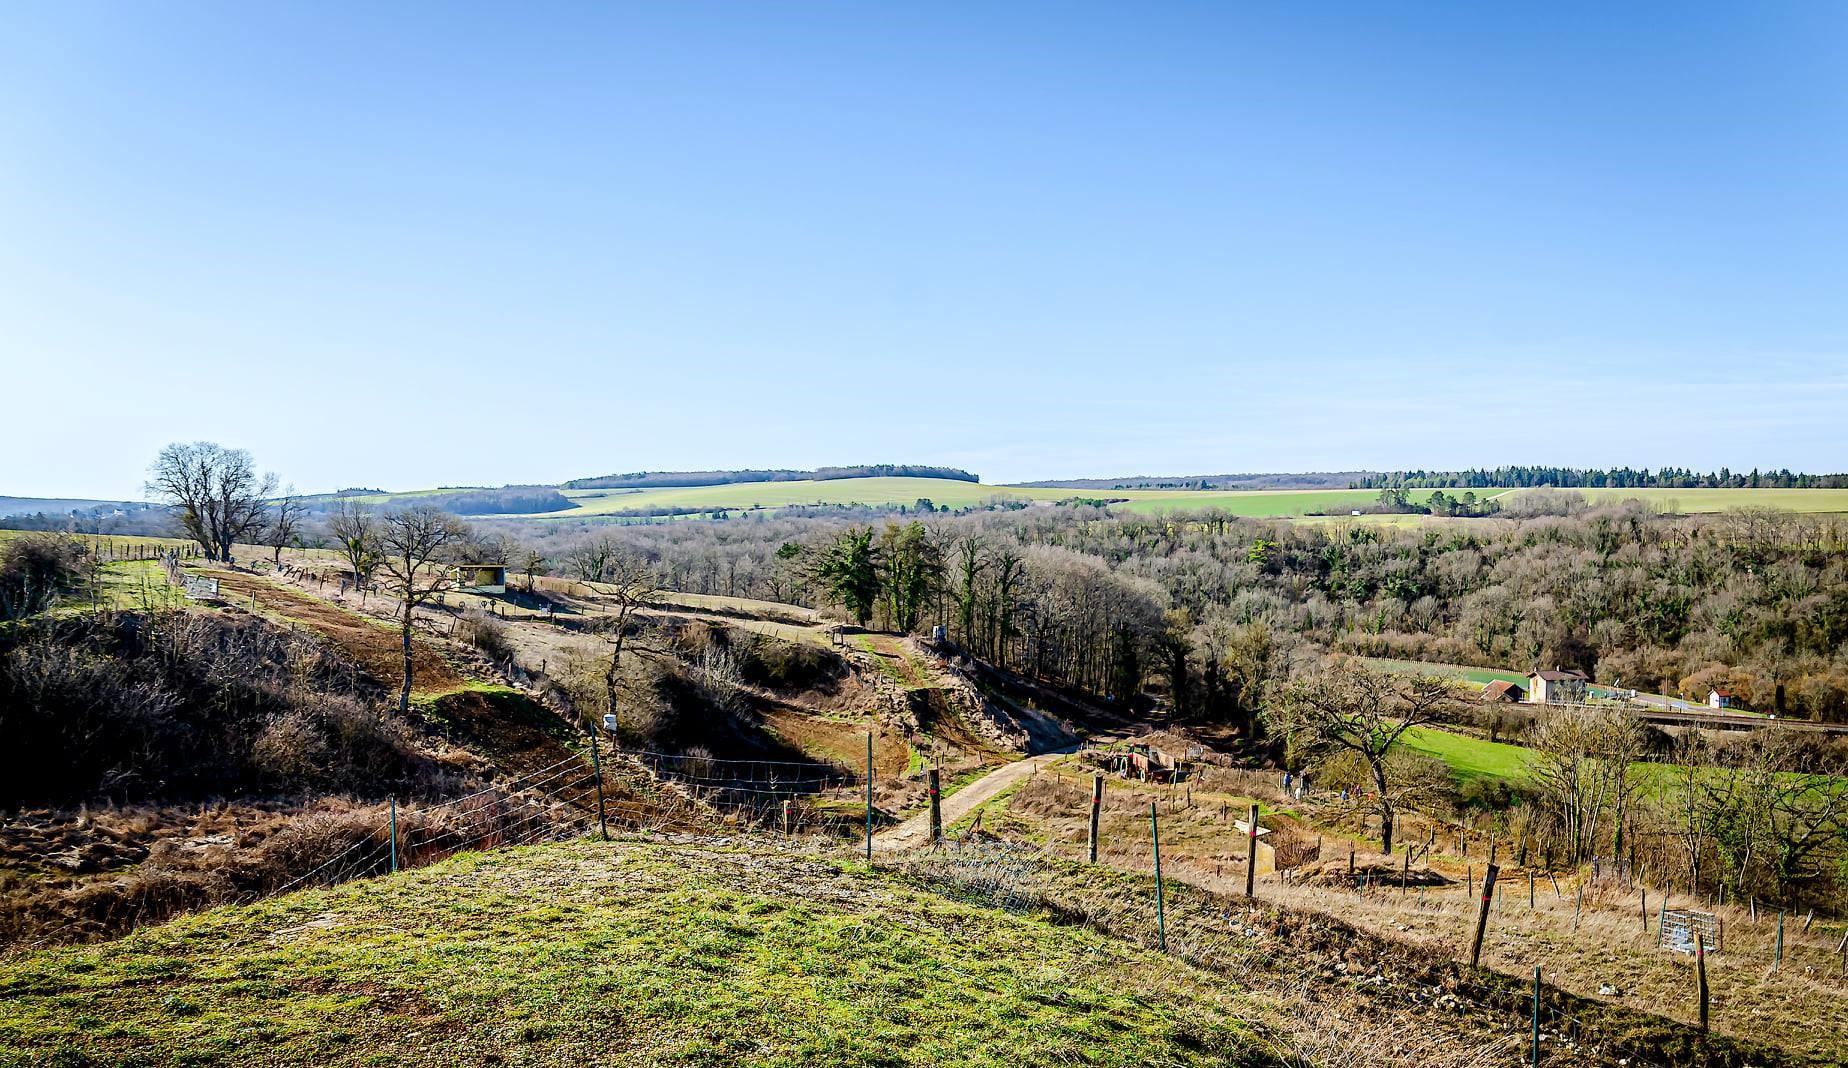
682, 951
634, 953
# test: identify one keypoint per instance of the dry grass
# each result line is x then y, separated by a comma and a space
1801, 1007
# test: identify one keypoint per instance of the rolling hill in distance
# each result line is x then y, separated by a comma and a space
913, 487
692, 494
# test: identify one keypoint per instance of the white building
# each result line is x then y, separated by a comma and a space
1557, 687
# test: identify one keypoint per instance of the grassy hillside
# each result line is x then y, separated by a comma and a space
1471, 758
620, 953
886, 492
952, 493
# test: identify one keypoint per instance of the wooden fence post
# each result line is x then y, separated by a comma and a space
936, 811
1251, 854
869, 797
1097, 809
1482, 915
1778, 961
394, 834
1700, 975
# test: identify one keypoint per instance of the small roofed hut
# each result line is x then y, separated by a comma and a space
1503, 690
488, 579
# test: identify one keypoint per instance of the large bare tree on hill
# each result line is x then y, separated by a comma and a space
217, 492
414, 547
1345, 706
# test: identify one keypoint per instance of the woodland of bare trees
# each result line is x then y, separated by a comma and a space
1752, 602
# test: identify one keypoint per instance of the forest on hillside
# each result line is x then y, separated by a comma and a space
1756, 602
1522, 476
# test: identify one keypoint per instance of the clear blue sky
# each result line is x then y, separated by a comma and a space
405, 245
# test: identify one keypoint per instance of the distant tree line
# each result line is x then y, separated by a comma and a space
1395, 500
648, 479
1298, 480
508, 500
1517, 477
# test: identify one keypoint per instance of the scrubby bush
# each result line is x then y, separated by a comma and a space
130, 706
487, 634
36, 570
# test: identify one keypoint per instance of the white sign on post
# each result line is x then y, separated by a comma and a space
199, 588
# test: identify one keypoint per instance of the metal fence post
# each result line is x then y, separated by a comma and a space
1161, 907
869, 797
1536, 1063
394, 834
596, 763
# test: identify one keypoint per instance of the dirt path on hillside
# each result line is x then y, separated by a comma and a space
915, 831
372, 644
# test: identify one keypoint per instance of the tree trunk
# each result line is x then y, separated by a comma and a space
610, 677
1386, 813
404, 695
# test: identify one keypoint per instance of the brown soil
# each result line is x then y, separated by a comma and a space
374, 647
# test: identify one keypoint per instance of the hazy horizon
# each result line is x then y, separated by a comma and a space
420, 245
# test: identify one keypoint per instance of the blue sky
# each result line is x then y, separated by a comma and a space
404, 245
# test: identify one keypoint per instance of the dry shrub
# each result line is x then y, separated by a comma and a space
136, 706
716, 677
36, 570
486, 633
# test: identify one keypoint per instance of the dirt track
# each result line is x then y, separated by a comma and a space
915, 831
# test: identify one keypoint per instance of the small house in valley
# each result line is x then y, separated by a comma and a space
1503, 690
1557, 687
1722, 699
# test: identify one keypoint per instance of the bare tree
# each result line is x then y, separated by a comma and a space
628, 583
285, 520
532, 562
216, 491
1345, 706
356, 528
1583, 771
413, 547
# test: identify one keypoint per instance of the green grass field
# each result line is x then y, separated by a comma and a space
618, 953
1470, 758
1478, 675
885, 492
1720, 500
